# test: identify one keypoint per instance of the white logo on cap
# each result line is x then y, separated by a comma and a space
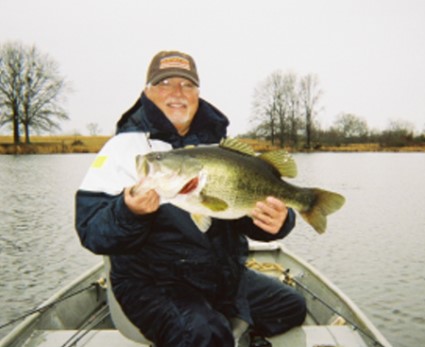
175, 62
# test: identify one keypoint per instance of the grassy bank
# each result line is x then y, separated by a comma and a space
372, 147
92, 144
54, 144
263, 146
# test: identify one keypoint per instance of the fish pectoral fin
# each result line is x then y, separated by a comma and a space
201, 221
214, 204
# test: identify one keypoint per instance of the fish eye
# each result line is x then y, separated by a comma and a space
158, 156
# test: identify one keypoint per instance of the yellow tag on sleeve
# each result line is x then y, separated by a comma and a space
99, 161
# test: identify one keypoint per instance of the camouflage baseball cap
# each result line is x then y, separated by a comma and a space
172, 64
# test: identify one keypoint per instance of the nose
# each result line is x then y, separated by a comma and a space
177, 89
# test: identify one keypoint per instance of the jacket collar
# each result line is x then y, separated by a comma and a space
208, 126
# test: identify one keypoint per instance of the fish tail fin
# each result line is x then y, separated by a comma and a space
325, 203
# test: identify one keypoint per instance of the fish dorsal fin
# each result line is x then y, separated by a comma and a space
282, 161
237, 146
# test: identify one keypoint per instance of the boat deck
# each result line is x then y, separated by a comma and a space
85, 320
308, 336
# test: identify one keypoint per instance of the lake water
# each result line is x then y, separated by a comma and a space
374, 248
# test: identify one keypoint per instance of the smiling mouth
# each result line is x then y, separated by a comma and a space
175, 105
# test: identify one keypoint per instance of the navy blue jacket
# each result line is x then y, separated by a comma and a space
166, 246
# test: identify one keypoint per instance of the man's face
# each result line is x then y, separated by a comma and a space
178, 99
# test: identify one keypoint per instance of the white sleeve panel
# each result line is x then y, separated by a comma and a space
114, 168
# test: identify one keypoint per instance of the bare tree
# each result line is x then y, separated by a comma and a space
276, 105
269, 106
93, 129
31, 90
11, 86
351, 126
402, 127
398, 133
309, 98
292, 101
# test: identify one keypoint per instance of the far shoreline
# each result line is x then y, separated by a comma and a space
65, 144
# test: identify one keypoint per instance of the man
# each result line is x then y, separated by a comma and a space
179, 286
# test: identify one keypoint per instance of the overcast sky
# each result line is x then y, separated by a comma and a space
369, 55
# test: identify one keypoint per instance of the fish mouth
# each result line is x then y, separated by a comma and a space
142, 166
190, 186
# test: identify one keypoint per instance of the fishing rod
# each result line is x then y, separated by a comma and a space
94, 321
292, 281
42, 308
323, 302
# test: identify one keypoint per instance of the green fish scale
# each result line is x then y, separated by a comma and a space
242, 180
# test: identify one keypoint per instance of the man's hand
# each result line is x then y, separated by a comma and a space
144, 203
270, 215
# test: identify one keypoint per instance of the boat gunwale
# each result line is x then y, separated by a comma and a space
33, 319
24, 329
352, 306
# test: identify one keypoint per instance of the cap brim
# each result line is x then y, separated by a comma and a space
173, 73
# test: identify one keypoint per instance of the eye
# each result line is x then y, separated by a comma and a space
158, 156
187, 85
164, 83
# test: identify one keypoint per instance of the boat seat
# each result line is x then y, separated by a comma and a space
129, 330
120, 320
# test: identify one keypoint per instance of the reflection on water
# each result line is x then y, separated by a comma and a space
372, 250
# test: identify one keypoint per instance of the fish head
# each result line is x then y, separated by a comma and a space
169, 173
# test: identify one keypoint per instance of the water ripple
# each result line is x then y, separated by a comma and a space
372, 250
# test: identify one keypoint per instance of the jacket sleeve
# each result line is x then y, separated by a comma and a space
106, 226
246, 226
103, 222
